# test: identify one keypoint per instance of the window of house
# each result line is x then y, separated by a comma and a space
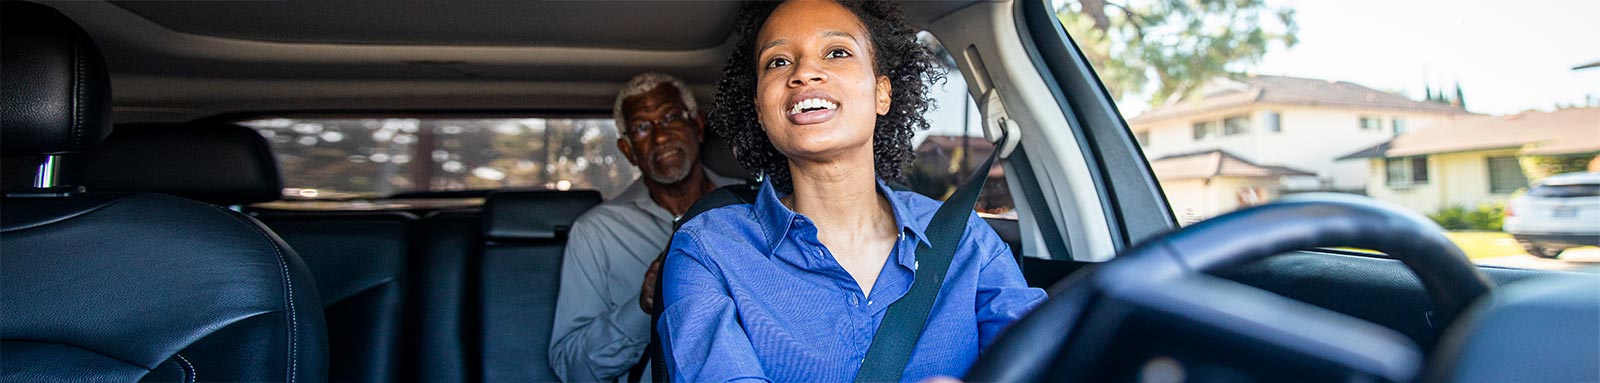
1371, 123
1406, 171
1273, 121
1399, 125
1505, 175
1204, 130
1143, 138
1235, 125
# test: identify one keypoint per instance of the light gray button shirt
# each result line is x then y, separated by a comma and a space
599, 329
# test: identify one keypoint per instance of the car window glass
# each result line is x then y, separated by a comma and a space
953, 145
1241, 103
367, 157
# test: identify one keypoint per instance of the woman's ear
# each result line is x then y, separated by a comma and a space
885, 95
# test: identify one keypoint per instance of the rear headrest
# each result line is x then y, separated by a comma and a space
222, 164
534, 215
56, 95
717, 154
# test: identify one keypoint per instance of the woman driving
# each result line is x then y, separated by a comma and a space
822, 98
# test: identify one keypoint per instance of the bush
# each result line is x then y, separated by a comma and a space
1486, 217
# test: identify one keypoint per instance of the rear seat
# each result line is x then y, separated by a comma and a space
357, 258
519, 272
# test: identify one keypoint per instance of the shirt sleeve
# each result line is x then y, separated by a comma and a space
1003, 295
594, 339
701, 334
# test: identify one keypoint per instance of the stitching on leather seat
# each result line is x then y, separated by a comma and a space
191, 374
288, 293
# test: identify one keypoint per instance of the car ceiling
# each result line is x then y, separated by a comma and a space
180, 60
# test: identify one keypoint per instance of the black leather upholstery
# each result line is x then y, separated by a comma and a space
57, 93
359, 260
124, 287
439, 297
534, 215
108, 287
519, 274
223, 164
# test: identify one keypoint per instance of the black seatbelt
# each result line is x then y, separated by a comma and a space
723, 196
902, 325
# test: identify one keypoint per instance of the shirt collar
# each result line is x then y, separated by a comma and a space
639, 194
776, 219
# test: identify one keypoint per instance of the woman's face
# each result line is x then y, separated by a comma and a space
816, 94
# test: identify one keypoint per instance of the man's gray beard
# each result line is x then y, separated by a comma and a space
672, 176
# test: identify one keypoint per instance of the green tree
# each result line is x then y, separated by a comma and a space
1169, 48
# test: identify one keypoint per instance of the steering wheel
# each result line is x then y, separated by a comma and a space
1153, 313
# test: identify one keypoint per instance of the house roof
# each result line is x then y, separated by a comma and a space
1564, 131
1216, 163
1283, 90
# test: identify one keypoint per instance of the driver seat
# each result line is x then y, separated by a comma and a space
129, 286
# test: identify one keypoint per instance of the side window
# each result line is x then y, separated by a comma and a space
954, 145
1235, 125
1370, 123
1274, 121
1204, 130
1505, 175
1406, 171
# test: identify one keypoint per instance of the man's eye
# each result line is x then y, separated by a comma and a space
838, 53
777, 62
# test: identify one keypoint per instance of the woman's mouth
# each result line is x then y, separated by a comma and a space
812, 109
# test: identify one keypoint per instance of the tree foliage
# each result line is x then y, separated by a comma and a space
1168, 48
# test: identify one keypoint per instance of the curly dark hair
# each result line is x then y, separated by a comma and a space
896, 54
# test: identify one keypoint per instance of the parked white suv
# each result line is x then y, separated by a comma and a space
1557, 213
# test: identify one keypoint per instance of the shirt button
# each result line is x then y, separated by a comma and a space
853, 300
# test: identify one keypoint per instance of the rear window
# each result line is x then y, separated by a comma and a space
348, 158
1565, 191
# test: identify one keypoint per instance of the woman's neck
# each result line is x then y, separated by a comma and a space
841, 195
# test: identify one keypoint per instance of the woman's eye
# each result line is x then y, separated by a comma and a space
777, 62
838, 53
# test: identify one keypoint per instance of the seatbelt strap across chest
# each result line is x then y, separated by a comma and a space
902, 325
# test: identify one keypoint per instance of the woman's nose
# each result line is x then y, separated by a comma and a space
806, 72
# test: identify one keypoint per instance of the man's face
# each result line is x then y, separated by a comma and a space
661, 137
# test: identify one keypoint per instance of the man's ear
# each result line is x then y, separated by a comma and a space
626, 147
885, 95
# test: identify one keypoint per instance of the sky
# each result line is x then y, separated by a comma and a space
1509, 56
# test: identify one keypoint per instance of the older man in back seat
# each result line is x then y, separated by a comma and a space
600, 330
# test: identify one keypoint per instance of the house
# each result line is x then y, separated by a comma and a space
1199, 185
1479, 159
1293, 122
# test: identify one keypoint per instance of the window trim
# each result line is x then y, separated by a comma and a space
1243, 130
1409, 173
1489, 168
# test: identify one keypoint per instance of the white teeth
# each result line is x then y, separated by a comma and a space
811, 103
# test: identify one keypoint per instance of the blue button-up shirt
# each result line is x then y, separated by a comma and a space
752, 294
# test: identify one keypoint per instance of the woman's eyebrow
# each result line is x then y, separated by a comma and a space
823, 34
769, 45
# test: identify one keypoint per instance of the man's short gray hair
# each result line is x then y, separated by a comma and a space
646, 82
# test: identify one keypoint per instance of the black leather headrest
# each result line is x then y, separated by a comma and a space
717, 154
534, 215
56, 95
222, 164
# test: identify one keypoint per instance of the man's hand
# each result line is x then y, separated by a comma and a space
647, 293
